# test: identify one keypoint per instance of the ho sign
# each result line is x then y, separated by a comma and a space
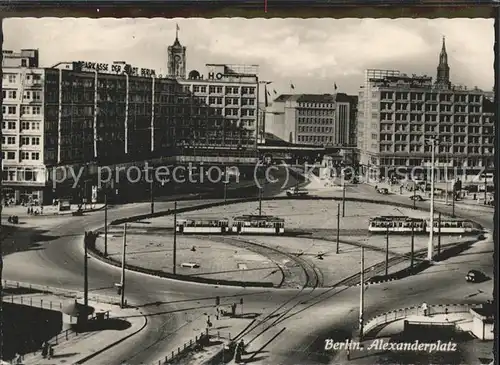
215, 76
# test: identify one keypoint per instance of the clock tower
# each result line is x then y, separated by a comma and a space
177, 58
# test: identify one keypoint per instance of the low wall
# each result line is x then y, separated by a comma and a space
398, 314
92, 250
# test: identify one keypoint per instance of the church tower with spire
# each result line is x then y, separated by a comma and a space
177, 58
443, 70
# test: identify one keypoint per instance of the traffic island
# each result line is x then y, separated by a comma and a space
197, 259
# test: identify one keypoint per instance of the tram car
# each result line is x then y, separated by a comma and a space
403, 225
202, 225
399, 224
454, 226
255, 224
246, 224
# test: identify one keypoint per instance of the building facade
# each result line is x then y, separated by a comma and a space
23, 128
399, 114
87, 114
323, 120
229, 93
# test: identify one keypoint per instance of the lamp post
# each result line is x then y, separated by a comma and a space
430, 249
105, 222
362, 294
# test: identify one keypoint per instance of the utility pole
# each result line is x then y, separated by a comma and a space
485, 185
105, 222
414, 195
122, 300
152, 196
175, 238
453, 200
430, 248
446, 177
362, 294
343, 195
439, 233
85, 270
338, 227
225, 183
260, 201
412, 245
387, 251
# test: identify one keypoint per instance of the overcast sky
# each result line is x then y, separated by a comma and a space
313, 54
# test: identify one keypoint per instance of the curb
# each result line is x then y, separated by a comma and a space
97, 255
98, 352
423, 265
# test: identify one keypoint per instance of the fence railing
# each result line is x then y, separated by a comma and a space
60, 292
200, 340
415, 310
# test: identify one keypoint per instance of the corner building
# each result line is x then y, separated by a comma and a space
398, 113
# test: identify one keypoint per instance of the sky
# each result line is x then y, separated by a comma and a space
311, 54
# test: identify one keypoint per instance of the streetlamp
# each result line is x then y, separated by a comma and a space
433, 141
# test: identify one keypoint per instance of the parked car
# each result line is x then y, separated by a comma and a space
417, 197
383, 191
475, 276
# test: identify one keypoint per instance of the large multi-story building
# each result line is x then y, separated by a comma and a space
230, 92
398, 115
23, 128
326, 120
92, 114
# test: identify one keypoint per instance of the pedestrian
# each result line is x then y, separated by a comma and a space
45, 349
424, 308
41, 209
51, 352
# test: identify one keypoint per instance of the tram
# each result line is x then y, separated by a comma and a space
400, 224
454, 226
202, 225
403, 224
258, 224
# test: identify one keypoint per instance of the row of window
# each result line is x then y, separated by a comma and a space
20, 175
12, 125
11, 140
324, 139
447, 97
232, 90
11, 155
322, 121
320, 112
315, 129
420, 149
12, 78
28, 95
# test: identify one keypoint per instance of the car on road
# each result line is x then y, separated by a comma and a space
297, 192
383, 191
475, 276
417, 198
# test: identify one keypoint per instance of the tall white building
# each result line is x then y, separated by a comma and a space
326, 120
23, 169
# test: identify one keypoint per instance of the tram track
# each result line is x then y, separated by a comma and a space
313, 277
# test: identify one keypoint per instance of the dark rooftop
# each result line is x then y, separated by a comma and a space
317, 98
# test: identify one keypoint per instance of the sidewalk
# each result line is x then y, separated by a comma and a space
48, 210
467, 203
222, 333
86, 345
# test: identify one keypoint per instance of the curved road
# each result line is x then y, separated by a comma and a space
171, 304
